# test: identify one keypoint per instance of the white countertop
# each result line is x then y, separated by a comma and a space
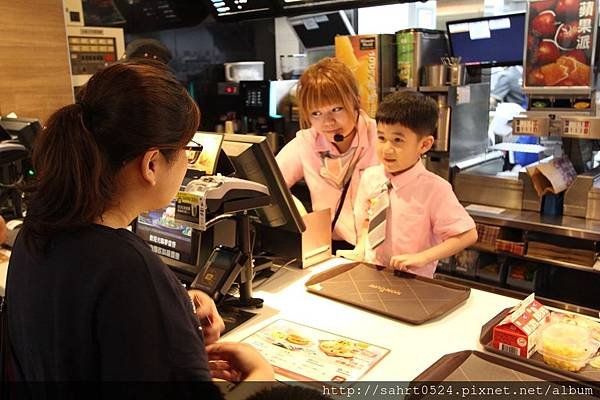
413, 347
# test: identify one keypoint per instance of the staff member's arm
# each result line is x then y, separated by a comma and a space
290, 163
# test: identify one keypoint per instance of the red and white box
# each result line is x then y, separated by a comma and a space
519, 331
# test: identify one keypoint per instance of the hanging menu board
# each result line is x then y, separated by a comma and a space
561, 37
241, 9
291, 7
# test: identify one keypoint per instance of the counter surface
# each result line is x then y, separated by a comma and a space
413, 348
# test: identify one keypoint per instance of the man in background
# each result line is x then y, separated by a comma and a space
508, 87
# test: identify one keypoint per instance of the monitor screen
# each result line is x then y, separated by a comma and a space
240, 9
169, 238
488, 42
204, 161
22, 129
320, 30
253, 160
295, 7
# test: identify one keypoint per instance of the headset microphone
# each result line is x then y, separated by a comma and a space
338, 137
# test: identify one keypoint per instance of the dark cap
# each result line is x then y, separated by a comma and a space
148, 48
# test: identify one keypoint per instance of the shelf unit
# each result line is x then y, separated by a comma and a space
562, 280
548, 261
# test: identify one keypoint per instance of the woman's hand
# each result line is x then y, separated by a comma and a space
236, 362
206, 311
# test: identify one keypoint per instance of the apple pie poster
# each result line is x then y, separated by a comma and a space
303, 353
560, 43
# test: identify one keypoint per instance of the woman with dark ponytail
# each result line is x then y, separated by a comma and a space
87, 299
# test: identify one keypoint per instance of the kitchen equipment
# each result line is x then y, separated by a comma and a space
435, 75
416, 48
462, 127
292, 65
244, 71
92, 49
442, 138
457, 72
457, 75
481, 185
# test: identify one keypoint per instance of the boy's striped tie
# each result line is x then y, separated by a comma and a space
378, 215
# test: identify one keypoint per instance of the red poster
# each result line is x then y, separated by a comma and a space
561, 35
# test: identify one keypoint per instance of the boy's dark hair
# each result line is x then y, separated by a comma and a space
410, 109
289, 392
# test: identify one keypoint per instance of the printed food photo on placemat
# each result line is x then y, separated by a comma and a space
303, 353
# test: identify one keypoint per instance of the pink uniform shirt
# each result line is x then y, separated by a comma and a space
300, 158
423, 212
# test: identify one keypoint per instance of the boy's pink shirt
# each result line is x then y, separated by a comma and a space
423, 212
300, 159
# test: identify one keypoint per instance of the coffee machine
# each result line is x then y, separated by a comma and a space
252, 107
462, 124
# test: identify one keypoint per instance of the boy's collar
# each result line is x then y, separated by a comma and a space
402, 178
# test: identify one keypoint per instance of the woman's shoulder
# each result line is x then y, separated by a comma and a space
306, 135
95, 252
112, 248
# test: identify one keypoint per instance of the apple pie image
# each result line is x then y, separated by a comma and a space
565, 71
338, 348
296, 338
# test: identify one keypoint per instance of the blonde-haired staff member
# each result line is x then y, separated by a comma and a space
336, 144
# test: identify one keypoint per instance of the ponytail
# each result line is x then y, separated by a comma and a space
123, 111
71, 187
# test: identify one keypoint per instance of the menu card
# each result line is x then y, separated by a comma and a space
303, 353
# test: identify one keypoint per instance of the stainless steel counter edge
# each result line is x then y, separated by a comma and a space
561, 225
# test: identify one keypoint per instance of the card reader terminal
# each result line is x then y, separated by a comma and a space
219, 272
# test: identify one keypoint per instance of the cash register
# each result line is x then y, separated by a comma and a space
190, 233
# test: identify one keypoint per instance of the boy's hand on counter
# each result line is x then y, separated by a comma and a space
404, 261
206, 311
350, 255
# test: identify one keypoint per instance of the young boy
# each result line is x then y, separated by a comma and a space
407, 217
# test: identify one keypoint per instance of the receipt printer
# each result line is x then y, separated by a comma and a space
210, 196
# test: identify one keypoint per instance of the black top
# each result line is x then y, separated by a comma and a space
101, 306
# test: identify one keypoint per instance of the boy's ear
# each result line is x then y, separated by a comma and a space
148, 166
426, 144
